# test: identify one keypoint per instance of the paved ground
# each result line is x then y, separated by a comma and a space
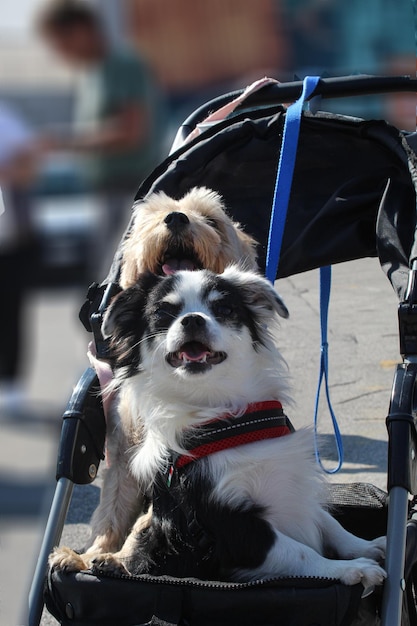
363, 353
55, 355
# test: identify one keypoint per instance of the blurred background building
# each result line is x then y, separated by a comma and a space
195, 51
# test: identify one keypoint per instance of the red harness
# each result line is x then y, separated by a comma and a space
261, 420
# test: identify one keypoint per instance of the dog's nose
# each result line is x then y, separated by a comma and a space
193, 320
176, 220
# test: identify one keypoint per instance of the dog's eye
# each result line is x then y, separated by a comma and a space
211, 222
165, 312
222, 310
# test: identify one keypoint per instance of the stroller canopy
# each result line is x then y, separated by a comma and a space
353, 192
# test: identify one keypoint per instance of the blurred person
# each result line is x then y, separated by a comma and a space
379, 38
314, 32
115, 111
337, 37
17, 159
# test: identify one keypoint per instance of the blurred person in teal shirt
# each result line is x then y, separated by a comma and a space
116, 120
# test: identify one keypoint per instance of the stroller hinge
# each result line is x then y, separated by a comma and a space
407, 319
401, 426
407, 316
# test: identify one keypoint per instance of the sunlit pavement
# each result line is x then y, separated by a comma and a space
363, 352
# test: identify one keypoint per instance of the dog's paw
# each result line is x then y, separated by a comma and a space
362, 570
357, 548
375, 549
66, 559
108, 564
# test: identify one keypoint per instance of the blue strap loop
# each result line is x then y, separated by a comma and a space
280, 204
325, 288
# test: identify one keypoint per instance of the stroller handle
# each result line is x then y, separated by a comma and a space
270, 95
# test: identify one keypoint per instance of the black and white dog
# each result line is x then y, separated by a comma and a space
237, 495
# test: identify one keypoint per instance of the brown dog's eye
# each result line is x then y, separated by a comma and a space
211, 222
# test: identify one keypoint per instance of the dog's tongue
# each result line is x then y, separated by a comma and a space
194, 351
175, 265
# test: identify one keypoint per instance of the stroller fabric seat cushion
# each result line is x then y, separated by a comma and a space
86, 599
92, 599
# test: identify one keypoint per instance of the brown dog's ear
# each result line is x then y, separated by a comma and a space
258, 292
129, 265
248, 249
124, 323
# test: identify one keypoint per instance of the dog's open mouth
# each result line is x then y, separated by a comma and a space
195, 354
177, 259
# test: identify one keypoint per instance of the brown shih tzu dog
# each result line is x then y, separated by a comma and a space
167, 235
192, 233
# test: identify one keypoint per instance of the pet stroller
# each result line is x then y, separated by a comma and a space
372, 166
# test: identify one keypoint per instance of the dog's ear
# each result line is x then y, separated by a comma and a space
258, 293
124, 323
248, 248
128, 302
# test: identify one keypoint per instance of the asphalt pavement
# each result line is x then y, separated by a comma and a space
363, 353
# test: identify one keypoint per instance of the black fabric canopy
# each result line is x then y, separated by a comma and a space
353, 193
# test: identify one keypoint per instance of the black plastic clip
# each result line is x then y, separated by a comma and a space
83, 432
92, 312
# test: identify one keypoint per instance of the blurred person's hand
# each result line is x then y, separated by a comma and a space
20, 170
49, 143
401, 107
119, 133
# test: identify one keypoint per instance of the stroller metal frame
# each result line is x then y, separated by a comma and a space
83, 434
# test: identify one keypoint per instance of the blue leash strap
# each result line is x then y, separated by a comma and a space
325, 287
284, 178
280, 204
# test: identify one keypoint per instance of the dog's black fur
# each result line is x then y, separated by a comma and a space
192, 535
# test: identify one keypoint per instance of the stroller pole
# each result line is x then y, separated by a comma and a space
80, 452
402, 438
395, 556
55, 524
402, 475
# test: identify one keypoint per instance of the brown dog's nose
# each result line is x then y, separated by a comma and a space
176, 220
